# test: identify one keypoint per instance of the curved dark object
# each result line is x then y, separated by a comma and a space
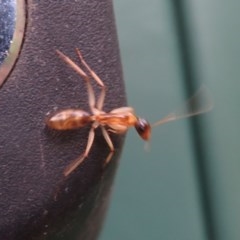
36, 201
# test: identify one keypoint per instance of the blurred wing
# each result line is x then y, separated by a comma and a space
200, 102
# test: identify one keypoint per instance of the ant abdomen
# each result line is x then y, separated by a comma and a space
68, 119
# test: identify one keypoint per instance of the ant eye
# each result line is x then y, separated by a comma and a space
143, 128
141, 125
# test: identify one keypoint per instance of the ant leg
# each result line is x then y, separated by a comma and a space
110, 144
72, 166
74, 66
123, 110
101, 98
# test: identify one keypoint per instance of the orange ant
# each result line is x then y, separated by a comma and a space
117, 121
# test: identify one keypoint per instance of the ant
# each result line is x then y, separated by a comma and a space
117, 121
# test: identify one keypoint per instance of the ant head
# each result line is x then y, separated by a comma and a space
143, 128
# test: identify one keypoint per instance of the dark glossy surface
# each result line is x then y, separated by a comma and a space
7, 26
12, 29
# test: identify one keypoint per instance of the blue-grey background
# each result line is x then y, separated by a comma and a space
162, 194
